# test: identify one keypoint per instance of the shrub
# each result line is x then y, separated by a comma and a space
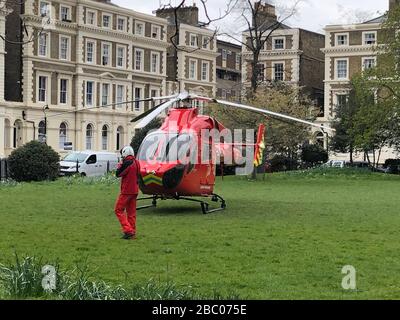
34, 161
313, 154
283, 163
142, 133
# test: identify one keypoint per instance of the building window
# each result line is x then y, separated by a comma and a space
104, 138
120, 138
278, 43
139, 59
155, 62
106, 50
121, 57
42, 89
89, 137
44, 9
62, 135
120, 95
342, 39
89, 93
279, 72
65, 13
154, 93
341, 69
138, 96
341, 100
369, 38
238, 60
63, 91
107, 21
193, 69
64, 48
206, 42
139, 28
205, 68
43, 44
368, 63
105, 94
121, 24
194, 40
260, 72
224, 55
42, 131
156, 32
91, 17
223, 94
90, 51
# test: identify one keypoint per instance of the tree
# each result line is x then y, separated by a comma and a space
344, 141
282, 138
35, 161
142, 133
313, 154
208, 19
367, 121
376, 123
260, 24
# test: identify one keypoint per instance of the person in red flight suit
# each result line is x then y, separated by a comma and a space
128, 171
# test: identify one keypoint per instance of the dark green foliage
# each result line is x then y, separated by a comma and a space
313, 154
283, 163
142, 133
34, 161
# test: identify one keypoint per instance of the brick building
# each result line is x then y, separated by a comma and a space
191, 62
292, 55
349, 50
229, 71
79, 63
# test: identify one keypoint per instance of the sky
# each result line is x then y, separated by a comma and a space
311, 15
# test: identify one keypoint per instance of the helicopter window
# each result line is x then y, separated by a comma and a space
166, 147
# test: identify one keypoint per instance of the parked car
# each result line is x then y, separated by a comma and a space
88, 163
335, 164
388, 169
345, 163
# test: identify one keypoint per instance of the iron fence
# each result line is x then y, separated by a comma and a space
4, 170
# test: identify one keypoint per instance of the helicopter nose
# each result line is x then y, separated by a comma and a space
173, 177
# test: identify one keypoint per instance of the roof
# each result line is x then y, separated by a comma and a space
380, 19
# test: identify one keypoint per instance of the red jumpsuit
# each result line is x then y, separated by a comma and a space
128, 171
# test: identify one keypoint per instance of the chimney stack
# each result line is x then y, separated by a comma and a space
393, 4
186, 14
266, 15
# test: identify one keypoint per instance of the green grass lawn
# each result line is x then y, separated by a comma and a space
285, 237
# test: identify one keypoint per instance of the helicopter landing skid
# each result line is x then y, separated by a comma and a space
152, 205
204, 205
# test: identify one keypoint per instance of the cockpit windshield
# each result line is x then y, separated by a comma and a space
166, 147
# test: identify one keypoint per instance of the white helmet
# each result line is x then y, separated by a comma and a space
127, 151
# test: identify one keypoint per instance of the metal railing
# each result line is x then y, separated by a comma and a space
4, 169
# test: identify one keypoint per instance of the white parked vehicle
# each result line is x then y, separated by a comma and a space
88, 163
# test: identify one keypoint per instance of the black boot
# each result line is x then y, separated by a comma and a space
128, 236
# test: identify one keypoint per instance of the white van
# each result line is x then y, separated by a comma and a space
88, 163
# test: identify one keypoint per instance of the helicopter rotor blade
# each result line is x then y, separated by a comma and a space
154, 113
164, 106
266, 112
144, 114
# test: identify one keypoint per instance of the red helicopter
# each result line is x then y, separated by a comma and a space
178, 161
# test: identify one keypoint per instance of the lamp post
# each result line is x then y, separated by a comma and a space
45, 108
